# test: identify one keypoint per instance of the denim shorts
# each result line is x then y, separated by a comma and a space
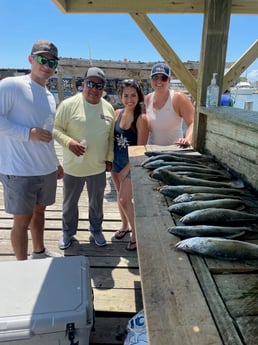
22, 193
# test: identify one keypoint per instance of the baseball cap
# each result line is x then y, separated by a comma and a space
44, 46
95, 72
160, 68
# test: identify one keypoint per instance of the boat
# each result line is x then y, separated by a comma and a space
242, 88
177, 85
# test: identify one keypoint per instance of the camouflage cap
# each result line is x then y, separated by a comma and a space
95, 72
44, 46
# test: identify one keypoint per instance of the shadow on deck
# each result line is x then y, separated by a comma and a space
114, 271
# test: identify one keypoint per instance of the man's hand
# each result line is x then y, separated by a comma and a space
77, 148
108, 166
60, 172
40, 134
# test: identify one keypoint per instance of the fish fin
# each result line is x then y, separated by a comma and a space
238, 183
240, 234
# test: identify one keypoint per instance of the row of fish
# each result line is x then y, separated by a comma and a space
210, 201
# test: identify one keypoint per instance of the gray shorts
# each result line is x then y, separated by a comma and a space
22, 193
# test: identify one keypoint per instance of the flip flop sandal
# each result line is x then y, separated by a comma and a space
121, 233
129, 248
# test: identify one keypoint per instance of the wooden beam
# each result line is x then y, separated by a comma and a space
118, 6
158, 41
240, 65
149, 6
213, 55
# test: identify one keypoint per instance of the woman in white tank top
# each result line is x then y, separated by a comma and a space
167, 110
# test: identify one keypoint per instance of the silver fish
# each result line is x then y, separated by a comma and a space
170, 178
174, 191
202, 196
179, 157
219, 248
169, 158
218, 216
187, 231
190, 169
182, 153
183, 208
161, 164
203, 175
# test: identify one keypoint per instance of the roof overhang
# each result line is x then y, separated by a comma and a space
149, 6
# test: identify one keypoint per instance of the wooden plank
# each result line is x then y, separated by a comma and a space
223, 320
223, 266
169, 285
231, 137
239, 299
239, 66
109, 330
118, 300
118, 278
214, 38
248, 328
147, 6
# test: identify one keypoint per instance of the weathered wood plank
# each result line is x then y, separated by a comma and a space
118, 300
231, 136
168, 281
114, 271
249, 329
240, 293
109, 330
223, 320
118, 278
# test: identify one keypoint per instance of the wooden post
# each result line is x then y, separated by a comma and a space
213, 56
60, 87
74, 89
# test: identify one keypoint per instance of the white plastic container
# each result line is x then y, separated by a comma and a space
49, 123
46, 302
79, 159
212, 95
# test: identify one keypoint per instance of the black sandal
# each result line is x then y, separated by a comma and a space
121, 233
129, 248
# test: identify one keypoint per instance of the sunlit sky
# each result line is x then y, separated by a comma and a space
110, 36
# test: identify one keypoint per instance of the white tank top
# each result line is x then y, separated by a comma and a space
165, 123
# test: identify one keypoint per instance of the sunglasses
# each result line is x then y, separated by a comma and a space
91, 84
130, 82
159, 77
42, 60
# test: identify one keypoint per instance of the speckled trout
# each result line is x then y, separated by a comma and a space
202, 196
183, 208
219, 248
171, 178
187, 231
174, 191
219, 216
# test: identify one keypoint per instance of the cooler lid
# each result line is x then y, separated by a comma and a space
45, 294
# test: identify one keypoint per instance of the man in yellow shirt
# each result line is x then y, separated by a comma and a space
84, 126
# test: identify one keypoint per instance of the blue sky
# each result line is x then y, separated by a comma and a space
109, 37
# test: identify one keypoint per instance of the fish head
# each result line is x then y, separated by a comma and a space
192, 245
154, 165
183, 197
185, 245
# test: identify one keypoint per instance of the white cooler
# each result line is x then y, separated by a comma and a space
46, 302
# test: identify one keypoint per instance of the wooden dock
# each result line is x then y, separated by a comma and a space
114, 270
203, 301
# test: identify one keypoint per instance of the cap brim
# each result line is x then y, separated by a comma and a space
160, 73
41, 52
